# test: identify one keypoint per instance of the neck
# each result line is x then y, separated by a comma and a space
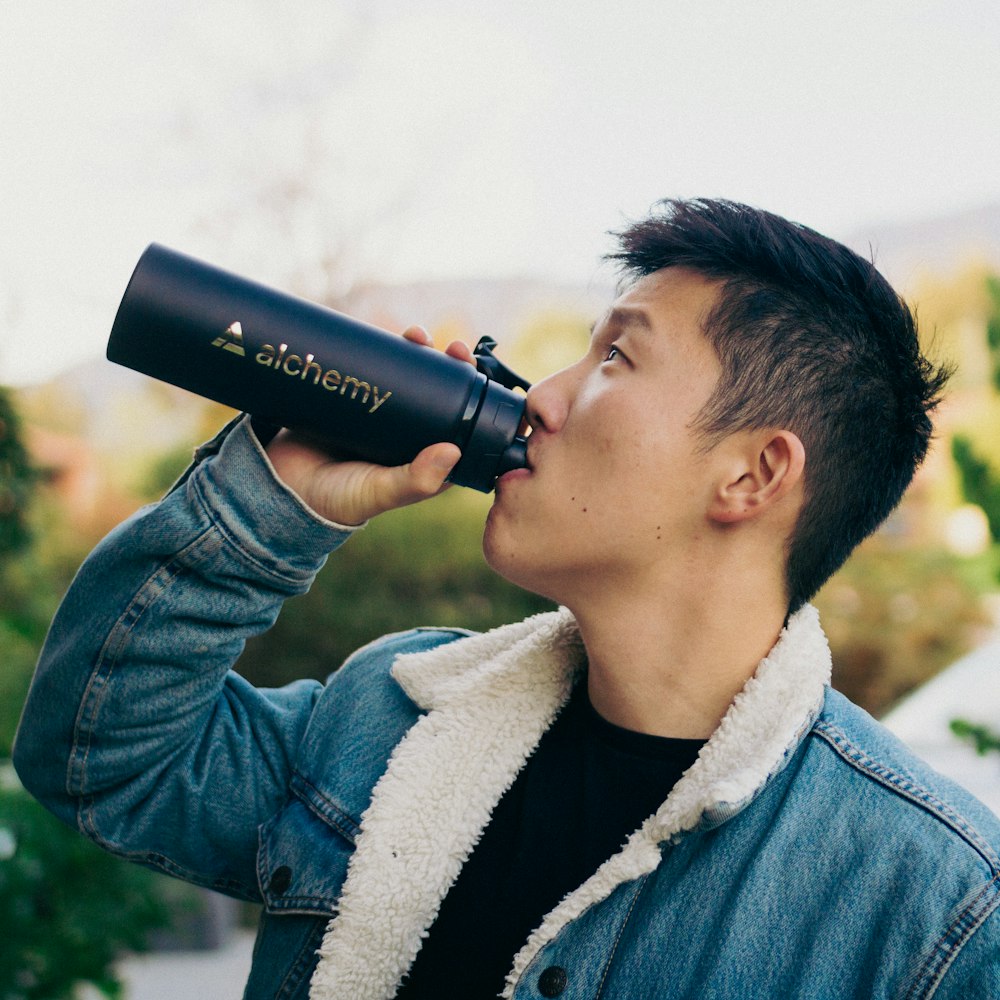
671, 661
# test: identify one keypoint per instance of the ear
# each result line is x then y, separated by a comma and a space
763, 468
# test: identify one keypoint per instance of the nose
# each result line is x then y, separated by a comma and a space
548, 401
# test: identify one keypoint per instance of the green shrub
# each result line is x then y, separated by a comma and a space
68, 908
895, 616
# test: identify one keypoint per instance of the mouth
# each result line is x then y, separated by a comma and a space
522, 472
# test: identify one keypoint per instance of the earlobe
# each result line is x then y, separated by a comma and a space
763, 472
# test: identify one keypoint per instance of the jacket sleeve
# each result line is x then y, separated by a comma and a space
135, 730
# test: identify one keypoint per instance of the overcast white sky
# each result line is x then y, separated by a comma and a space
441, 139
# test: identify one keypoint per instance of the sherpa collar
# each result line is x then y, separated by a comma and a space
489, 698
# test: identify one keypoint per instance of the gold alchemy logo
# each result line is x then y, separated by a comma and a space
305, 370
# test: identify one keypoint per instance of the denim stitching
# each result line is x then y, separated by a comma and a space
90, 707
950, 943
618, 937
310, 904
908, 789
302, 964
945, 951
305, 903
332, 815
167, 866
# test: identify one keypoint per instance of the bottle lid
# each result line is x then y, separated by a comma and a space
493, 446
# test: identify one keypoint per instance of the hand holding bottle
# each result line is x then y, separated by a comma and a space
350, 492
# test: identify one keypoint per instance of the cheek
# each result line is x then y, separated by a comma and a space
630, 457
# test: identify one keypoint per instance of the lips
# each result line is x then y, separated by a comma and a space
530, 454
522, 471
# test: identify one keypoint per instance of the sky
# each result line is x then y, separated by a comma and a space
392, 141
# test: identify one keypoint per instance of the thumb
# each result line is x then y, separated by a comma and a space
424, 477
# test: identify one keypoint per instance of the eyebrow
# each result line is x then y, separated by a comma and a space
626, 318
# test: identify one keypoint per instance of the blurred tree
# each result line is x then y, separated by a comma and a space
980, 482
993, 327
895, 615
35, 565
69, 909
17, 480
20, 617
981, 737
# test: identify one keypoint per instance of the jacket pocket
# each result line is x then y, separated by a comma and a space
303, 856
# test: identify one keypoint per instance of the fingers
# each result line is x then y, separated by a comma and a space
418, 335
352, 492
456, 349
462, 351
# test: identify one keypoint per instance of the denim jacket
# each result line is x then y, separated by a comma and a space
805, 854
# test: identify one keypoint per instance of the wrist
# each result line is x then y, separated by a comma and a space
239, 490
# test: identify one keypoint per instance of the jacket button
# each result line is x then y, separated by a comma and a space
281, 879
552, 981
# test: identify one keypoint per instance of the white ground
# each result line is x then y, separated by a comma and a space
191, 975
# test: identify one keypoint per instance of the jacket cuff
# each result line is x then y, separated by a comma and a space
234, 481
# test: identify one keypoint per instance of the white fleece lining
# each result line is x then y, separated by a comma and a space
490, 698
443, 780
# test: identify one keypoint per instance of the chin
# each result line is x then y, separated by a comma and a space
497, 555
510, 563
502, 557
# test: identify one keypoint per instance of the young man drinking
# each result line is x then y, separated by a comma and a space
650, 792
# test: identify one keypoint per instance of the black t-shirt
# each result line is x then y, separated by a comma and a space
588, 785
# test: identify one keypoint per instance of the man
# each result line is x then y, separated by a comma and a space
651, 792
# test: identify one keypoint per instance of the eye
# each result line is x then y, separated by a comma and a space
612, 353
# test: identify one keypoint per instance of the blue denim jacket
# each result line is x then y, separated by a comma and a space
806, 854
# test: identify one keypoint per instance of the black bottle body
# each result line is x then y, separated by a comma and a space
368, 393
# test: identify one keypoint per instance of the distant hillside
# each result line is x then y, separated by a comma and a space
940, 245
496, 307
114, 409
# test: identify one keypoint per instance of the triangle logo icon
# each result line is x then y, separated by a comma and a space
232, 339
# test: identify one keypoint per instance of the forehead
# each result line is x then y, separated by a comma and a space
673, 291
671, 305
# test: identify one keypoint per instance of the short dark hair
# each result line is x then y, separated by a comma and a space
811, 338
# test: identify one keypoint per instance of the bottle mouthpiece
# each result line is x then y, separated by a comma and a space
515, 456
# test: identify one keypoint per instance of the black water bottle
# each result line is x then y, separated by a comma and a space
369, 394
